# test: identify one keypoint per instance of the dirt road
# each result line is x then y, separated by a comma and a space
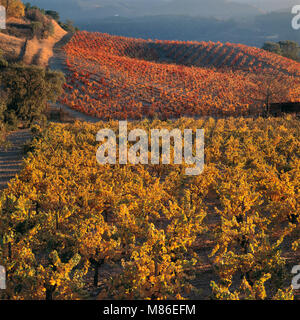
11, 160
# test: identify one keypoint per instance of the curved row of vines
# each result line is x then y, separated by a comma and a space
70, 228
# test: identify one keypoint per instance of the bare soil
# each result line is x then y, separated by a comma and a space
39, 52
11, 160
34, 51
11, 46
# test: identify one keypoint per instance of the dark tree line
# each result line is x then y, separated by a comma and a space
41, 23
288, 49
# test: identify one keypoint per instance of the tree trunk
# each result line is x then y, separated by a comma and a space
56, 221
49, 295
9, 250
96, 275
97, 265
49, 292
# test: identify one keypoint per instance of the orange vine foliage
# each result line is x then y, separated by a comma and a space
121, 78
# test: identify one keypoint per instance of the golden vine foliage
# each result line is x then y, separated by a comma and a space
69, 225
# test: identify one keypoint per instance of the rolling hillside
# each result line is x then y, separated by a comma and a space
139, 225
125, 78
192, 53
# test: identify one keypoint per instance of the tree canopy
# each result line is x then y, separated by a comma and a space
28, 89
14, 8
288, 49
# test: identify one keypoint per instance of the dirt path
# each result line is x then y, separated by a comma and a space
58, 62
38, 52
73, 114
11, 160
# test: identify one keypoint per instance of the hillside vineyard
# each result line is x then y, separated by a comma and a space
112, 77
70, 226
165, 173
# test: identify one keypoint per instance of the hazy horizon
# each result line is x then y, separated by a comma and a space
72, 8
251, 22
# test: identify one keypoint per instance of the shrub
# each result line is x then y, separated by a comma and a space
37, 29
53, 14
28, 91
41, 26
35, 15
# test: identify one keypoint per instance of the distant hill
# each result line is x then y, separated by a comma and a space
79, 10
214, 8
237, 21
270, 5
262, 28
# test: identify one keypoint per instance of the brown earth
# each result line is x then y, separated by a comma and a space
32, 51
37, 52
11, 160
12, 47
